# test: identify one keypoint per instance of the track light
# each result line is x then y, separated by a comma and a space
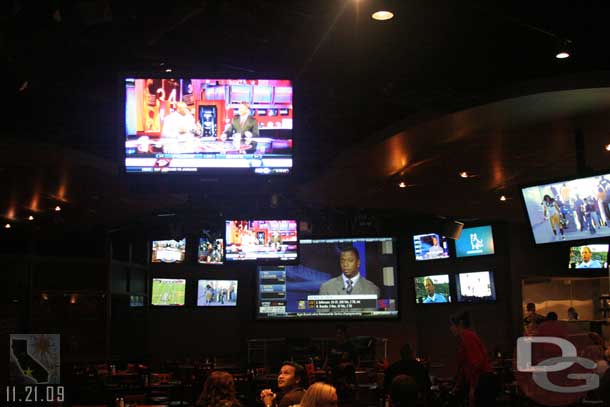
564, 50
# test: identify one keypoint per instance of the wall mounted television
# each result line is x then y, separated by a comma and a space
432, 289
217, 293
264, 241
589, 257
168, 291
318, 286
475, 287
475, 241
568, 210
168, 251
430, 246
207, 125
211, 248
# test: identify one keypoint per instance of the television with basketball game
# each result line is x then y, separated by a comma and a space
201, 125
264, 241
568, 210
475, 287
168, 251
430, 246
432, 289
217, 293
168, 291
589, 257
336, 278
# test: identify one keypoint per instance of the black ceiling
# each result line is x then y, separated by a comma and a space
354, 76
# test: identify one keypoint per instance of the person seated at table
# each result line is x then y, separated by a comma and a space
320, 395
219, 391
403, 391
289, 383
408, 365
532, 319
242, 125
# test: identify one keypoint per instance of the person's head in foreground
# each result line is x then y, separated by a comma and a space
218, 390
320, 395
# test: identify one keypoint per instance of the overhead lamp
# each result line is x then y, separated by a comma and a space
57, 208
168, 70
402, 184
607, 147
464, 174
503, 198
30, 217
7, 226
382, 15
564, 50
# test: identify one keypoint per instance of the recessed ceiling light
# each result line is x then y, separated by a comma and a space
57, 208
30, 217
503, 198
402, 185
607, 147
168, 70
464, 174
7, 226
562, 55
382, 15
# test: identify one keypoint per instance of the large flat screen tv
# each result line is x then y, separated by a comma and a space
198, 125
576, 209
589, 257
430, 246
336, 278
168, 251
475, 241
475, 287
432, 289
168, 291
217, 293
264, 241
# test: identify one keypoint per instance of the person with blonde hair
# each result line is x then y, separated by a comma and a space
219, 391
320, 395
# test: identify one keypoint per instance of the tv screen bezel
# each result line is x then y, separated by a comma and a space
373, 319
186, 283
162, 263
439, 259
572, 243
197, 306
226, 174
521, 187
495, 252
257, 261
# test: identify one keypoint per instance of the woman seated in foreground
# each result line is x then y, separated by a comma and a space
319, 395
219, 391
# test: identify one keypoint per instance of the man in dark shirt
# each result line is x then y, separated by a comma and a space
289, 384
407, 365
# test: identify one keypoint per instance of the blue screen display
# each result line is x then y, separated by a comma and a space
477, 241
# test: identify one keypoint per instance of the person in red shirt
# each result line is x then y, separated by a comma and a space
475, 372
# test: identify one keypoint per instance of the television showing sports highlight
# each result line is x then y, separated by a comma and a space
475, 287
575, 209
476, 241
336, 278
432, 289
590, 256
168, 251
430, 246
168, 291
266, 241
217, 293
203, 125
211, 248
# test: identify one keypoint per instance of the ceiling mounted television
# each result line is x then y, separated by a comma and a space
264, 241
336, 278
476, 241
168, 291
589, 257
575, 209
207, 126
168, 251
475, 287
432, 289
217, 293
430, 246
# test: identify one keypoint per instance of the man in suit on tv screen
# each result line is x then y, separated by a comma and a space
350, 281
